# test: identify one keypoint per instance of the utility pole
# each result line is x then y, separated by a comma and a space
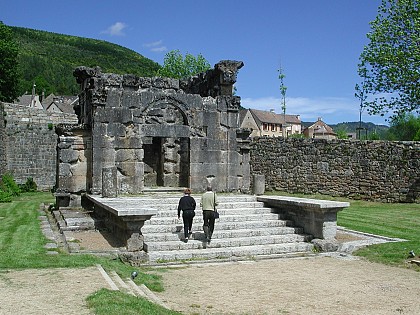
360, 94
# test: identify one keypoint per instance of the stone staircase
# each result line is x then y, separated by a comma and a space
128, 286
246, 230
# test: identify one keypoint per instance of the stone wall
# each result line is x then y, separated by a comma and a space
29, 143
2, 141
372, 170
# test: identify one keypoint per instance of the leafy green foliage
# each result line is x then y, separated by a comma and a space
405, 128
9, 75
9, 185
5, 196
341, 133
177, 66
283, 89
390, 63
29, 186
49, 59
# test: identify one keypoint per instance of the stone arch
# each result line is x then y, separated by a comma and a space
166, 110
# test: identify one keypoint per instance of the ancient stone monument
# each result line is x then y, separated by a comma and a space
136, 132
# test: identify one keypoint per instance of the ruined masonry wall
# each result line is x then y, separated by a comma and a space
2, 141
29, 143
372, 170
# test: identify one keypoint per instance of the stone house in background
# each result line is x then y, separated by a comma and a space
60, 104
268, 123
29, 100
319, 130
51, 103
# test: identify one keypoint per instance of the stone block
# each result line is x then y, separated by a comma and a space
64, 170
69, 156
109, 182
114, 98
116, 129
258, 184
130, 99
124, 155
79, 169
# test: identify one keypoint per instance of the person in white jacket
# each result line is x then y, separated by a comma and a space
208, 204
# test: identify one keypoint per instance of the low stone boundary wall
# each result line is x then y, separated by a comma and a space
316, 217
385, 171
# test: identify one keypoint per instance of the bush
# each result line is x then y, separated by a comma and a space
5, 196
8, 185
29, 185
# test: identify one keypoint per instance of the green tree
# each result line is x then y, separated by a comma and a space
9, 74
283, 90
390, 63
342, 133
405, 128
176, 66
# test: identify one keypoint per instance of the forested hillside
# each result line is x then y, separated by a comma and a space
48, 59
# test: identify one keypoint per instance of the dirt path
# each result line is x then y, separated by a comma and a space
48, 291
322, 285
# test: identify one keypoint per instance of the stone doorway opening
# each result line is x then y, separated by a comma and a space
166, 162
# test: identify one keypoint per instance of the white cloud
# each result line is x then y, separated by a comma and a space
330, 109
115, 29
156, 46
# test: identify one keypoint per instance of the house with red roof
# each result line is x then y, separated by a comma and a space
319, 130
268, 123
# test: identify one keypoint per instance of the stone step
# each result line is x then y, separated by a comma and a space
129, 287
161, 237
165, 206
175, 199
222, 211
198, 242
154, 228
223, 219
217, 253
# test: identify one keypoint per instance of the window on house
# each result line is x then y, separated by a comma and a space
273, 127
265, 127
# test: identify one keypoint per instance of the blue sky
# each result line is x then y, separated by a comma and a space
317, 43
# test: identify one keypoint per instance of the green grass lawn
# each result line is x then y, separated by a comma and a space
400, 220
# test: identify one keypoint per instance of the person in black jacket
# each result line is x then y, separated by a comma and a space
187, 205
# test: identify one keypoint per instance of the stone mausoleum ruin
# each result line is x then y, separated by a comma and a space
136, 133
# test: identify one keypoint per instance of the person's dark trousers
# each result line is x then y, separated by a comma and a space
208, 225
187, 217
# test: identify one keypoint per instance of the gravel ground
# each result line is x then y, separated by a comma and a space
318, 285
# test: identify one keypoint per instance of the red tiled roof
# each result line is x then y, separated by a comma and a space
273, 118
